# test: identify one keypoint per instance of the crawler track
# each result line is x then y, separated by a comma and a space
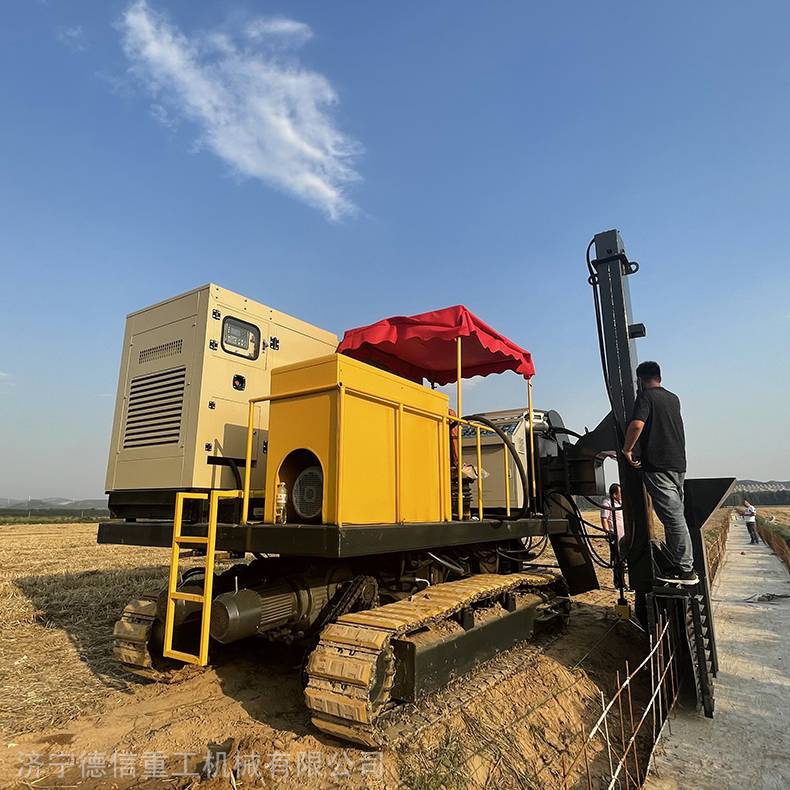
133, 632
351, 671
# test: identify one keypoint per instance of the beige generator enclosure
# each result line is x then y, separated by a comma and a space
189, 367
514, 423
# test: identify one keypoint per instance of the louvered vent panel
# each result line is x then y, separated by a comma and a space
169, 349
153, 412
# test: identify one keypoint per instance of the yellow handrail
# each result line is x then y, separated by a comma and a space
459, 411
531, 441
444, 470
478, 449
479, 476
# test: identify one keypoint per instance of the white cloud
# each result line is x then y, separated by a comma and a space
257, 109
160, 113
289, 31
73, 38
466, 385
7, 382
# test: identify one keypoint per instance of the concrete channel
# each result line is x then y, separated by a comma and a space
747, 743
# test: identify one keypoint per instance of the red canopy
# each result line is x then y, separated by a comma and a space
424, 346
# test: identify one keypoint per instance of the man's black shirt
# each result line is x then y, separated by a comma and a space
662, 443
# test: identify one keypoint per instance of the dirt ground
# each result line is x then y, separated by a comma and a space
71, 717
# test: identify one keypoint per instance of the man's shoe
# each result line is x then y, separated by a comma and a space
678, 577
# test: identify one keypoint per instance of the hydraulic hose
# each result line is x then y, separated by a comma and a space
234, 468
557, 429
576, 513
447, 564
510, 556
512, 448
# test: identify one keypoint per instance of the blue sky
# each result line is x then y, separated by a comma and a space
346, 161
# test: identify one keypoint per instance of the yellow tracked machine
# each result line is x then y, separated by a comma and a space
398, 541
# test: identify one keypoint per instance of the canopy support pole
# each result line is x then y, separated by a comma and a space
460, 446
531, 443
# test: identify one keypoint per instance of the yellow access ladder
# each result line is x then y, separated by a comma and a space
173, 595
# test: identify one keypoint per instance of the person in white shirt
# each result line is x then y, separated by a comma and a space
612, 513
749, 514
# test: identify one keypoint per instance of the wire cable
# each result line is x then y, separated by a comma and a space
576, 513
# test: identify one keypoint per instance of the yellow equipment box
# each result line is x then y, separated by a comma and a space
356, 445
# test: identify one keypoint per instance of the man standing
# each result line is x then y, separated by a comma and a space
658, 427
749, 514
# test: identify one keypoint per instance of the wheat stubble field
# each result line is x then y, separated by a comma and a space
60, 594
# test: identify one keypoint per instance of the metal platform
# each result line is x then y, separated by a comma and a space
329, 540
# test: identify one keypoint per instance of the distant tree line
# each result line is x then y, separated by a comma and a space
88, 512
759, 497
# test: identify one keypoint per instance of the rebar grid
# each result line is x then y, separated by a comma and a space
618, 715
623, 765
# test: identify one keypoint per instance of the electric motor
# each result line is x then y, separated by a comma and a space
296, 602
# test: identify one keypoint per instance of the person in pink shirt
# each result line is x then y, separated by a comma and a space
612, 513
